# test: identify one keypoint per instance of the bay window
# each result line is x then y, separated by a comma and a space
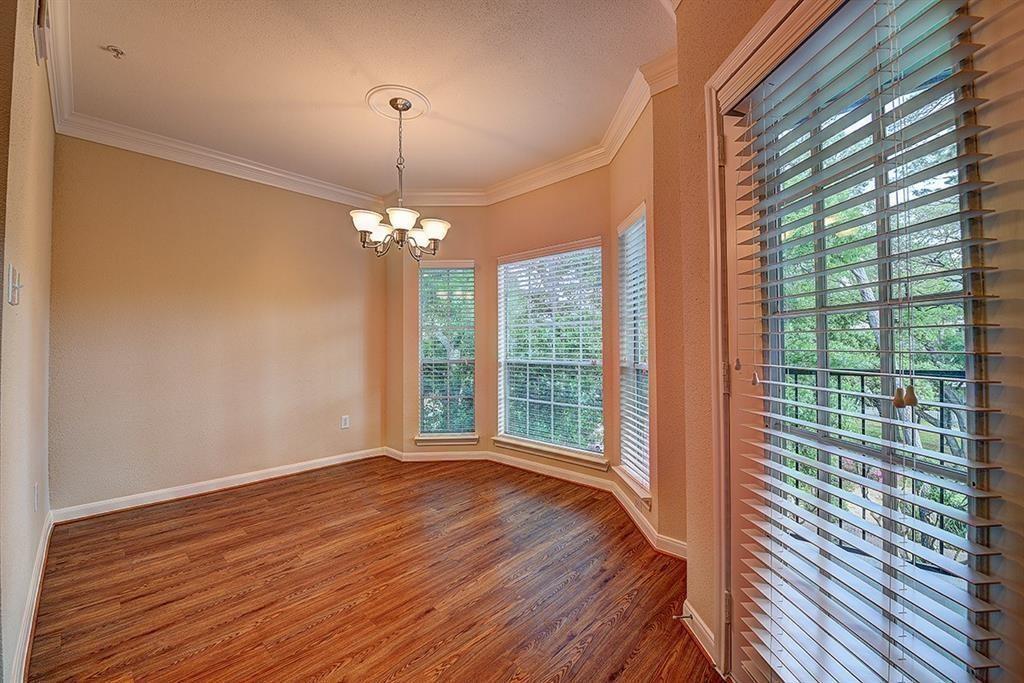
549, 349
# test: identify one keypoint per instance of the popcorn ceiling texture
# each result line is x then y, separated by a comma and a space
519, 83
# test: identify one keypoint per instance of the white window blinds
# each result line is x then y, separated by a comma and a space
867, 519
634, 408
446, 350
549, 349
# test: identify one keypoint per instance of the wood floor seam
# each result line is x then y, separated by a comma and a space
371, 570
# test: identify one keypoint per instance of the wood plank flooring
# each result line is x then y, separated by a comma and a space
369, 571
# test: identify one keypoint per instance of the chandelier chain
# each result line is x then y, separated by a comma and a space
400, 162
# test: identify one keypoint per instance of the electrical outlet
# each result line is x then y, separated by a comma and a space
35, 497
345, 422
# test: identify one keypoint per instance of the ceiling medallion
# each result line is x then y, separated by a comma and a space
402, 232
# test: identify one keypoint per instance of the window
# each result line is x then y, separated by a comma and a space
549, 349
861, 225
446, 350
634, 407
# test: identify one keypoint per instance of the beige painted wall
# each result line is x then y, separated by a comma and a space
588, 205
707, 33
567, 211
1002, 33
202, 326
668, 280
23, 365
185, 304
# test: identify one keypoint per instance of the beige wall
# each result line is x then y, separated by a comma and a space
667, 282
564, 212
467, 240
23, 349
185, 305
202, 326
1002, 33
707, 33
589, 205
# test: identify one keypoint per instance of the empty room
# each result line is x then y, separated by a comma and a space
512, 340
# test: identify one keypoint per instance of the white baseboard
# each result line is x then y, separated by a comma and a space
161, 495
661, 543
19, 663
699, 628
665, 544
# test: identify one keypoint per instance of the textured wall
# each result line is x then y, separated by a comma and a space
630, 182
588, 205
202, 326
707, 33
1002, 33
23, 366
666, 322
570, 210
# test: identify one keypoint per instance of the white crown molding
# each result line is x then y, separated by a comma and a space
662, 73
453, 197
648, 80
67, 121
135, 140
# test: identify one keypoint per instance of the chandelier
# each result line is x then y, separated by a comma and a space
402, 232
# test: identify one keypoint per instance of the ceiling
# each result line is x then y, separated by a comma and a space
513, 84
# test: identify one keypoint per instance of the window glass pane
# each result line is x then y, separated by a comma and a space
634, 414
550, 349
860, 281
447, 368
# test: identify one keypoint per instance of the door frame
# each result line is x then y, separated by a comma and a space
784, 26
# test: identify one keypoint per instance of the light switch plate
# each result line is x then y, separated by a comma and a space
13, 285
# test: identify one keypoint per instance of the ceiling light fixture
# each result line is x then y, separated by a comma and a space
402, 232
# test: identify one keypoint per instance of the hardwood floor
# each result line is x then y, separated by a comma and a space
369, 571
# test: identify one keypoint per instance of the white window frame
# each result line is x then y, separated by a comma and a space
451, 438
531, 446
783, 28
639, 486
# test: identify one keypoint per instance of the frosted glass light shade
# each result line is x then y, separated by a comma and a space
419, 236
365, 221
435, 228
380, 231
402, 218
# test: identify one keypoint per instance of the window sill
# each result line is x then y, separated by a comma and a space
569, 455
447, 439
638, 488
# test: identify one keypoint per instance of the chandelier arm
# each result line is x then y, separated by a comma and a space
383, 247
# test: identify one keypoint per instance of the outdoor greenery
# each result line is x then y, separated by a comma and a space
863, 298
447, 369
550, 349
